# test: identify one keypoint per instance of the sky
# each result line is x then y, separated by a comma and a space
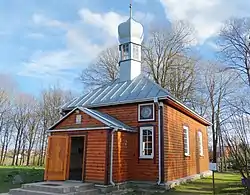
49, 42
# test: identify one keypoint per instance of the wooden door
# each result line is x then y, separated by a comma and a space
57, 158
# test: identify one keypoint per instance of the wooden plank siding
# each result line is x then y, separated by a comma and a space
87, 121
177, 165
127, 164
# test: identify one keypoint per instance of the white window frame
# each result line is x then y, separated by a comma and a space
125, 55
139, 112
78, 119
143, 156
200, 143
136, 52
186, 133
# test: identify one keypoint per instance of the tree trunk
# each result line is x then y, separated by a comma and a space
1, 155
15, 148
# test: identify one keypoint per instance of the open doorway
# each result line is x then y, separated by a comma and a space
76, 158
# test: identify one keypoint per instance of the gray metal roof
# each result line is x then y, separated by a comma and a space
139, 89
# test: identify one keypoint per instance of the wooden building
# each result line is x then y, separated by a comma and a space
128, 130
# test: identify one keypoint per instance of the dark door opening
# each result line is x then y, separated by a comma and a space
76, 158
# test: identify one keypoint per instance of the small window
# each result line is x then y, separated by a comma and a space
186, 140
78, 119
125, 51
136, 52
146, 112
200, 143
146, 142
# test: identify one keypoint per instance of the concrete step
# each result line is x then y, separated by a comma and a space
20, 191
58, 187
89, 192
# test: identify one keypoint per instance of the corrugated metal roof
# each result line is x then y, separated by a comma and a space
139, 89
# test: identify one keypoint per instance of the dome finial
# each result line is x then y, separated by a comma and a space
130, 7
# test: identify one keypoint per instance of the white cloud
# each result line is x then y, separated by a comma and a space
206, 16
84, 39
40, 19
144, 18
108, 21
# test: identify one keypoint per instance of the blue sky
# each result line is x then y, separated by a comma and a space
50, 41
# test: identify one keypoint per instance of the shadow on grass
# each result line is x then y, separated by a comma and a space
27, 174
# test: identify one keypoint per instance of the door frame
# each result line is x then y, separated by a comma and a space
84, 136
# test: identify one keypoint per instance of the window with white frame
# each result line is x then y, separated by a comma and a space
78, 119
136, 51
146, 112
200, 143
146, 142
186, 140
125, 51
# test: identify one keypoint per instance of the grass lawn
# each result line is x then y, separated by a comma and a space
225, 183
28, 174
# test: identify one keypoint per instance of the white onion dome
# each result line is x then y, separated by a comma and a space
130, 31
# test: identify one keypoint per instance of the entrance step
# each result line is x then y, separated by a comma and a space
55, 188
20, 191
58, 187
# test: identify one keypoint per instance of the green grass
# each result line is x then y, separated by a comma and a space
225, 183
28, 174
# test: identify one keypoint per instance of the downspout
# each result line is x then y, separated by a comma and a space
111, 157
159, 139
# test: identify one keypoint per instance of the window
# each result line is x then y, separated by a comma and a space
146, 112
146, 142
200, 143
136, 52
186, 140
78, 119
125, 51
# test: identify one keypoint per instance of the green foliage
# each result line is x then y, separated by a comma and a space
28, 174
225, 183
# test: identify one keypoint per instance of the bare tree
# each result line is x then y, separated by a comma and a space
165, 54
234, 48
236, 134
32, 129
52, 99
5, 124
104, 69
217, 87
20, 120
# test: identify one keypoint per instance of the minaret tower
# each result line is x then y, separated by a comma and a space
130, 38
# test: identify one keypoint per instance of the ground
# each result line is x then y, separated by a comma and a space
225, 183
27, 175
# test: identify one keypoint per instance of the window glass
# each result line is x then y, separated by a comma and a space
146, 112
146, 142
136, 51
186, 140
125, 51
78, 119
200, 143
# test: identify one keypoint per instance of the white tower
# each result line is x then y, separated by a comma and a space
130, 38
